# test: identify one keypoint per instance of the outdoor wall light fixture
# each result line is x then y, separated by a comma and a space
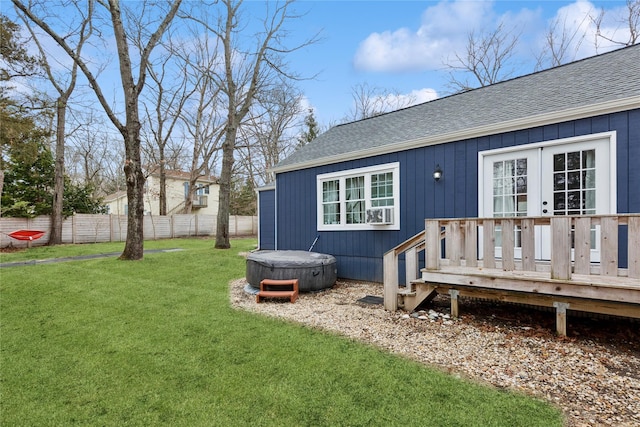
437, 173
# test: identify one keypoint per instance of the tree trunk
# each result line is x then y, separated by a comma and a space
55, 236
222, 226
134, 246
163, 185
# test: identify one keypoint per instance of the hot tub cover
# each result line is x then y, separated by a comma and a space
314, 271
291, 258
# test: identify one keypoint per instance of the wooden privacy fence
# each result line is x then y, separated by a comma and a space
87, 228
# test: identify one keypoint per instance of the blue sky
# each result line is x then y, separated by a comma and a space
402, 45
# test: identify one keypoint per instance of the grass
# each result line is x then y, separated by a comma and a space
155, 342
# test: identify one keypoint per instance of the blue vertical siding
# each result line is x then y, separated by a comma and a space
359, 253
267, 212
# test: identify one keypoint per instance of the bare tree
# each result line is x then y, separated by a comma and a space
169, 93
370, 101
486, 59
203, 116
132, 87
91, 156
245, 73
64, 90
561, 43
631, 20
269, 134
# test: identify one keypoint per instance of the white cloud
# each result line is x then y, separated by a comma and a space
577, 34
573, 24
443, 30
421, 95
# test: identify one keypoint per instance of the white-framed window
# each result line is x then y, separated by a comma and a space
360, 199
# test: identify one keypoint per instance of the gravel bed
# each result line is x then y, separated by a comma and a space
593, 375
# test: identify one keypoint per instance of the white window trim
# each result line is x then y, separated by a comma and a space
367, 172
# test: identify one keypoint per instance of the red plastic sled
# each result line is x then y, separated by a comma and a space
26, 234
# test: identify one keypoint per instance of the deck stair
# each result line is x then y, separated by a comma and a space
416, 293
457, 263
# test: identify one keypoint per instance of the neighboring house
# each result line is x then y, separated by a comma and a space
205, 200
568, 138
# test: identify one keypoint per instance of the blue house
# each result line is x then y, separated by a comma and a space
560, 142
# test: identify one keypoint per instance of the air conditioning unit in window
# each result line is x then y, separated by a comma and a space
380, 216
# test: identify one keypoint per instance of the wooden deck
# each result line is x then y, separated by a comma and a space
461, 259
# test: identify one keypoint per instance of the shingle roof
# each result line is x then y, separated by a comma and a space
605, 79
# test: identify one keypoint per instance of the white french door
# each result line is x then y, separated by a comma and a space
566, 177
576, 180
511, 188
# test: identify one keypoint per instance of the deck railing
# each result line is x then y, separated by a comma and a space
471, 242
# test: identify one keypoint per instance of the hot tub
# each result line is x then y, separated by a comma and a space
313, 270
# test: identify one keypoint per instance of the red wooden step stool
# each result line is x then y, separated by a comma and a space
291, 292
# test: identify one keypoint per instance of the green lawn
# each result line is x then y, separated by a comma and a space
155, 342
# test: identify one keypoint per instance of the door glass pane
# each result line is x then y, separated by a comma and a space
510, 184
589, 178
573, 160
559, 181
574, 186
558, 162
573, 180
589, 159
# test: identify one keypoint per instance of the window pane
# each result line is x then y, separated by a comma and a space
382, 189
330, 191
354, 188
331, 213
355, 212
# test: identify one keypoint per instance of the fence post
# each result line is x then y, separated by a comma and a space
73, 229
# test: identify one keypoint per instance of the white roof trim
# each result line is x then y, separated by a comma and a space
479, 131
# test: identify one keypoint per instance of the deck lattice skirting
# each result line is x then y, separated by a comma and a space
461, 259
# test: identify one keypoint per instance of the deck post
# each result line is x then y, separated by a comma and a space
390, 278
411, 266
454, 302
633, 252
432, 244
561, 317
